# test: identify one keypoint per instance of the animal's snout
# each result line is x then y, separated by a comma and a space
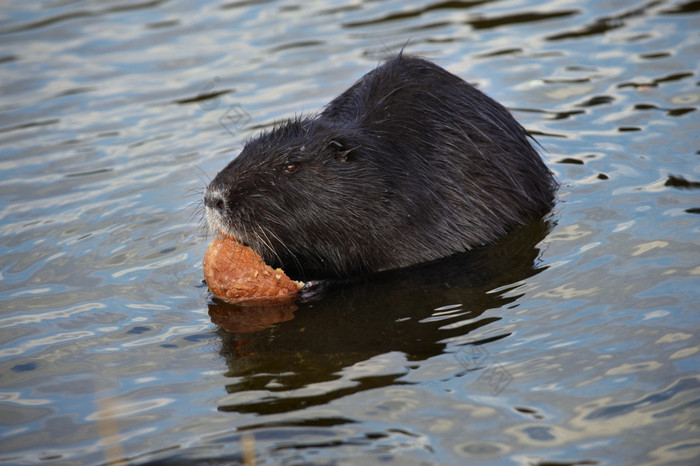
215, 201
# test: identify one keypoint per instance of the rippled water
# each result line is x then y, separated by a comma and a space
574, 340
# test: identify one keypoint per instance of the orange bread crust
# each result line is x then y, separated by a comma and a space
236, 273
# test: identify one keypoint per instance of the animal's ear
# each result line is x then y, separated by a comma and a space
336, 145
340, 150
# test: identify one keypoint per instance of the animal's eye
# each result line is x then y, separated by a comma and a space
291, 167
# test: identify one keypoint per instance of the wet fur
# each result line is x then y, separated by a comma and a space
408, 165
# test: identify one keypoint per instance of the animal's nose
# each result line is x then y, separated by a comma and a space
215, 200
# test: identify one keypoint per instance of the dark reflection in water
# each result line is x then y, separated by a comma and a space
408, 311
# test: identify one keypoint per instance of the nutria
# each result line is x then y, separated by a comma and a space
408, 165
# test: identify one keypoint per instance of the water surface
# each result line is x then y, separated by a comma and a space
572, 341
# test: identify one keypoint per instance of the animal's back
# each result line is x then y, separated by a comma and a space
462, 167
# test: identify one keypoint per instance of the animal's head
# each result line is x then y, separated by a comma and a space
298, 195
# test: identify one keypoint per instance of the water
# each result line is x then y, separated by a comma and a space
572, 340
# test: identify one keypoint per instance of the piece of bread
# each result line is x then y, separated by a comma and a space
236, 273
